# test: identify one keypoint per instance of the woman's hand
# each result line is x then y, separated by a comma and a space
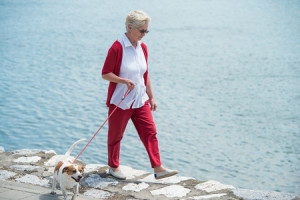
153, 105
116, 79
129, 84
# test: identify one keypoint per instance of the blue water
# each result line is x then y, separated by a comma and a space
225, 75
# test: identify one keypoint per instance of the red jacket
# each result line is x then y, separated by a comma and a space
113, 64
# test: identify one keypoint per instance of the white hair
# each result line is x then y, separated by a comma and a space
136, 19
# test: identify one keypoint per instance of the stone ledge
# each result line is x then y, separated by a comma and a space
36, 167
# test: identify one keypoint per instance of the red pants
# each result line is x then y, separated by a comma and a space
144, 124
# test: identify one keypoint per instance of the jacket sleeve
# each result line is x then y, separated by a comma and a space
110, 61
144, 47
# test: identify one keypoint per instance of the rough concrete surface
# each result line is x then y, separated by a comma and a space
27, 174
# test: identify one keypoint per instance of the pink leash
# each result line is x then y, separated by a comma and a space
125, 95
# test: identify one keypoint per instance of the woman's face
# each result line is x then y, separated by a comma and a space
138, 33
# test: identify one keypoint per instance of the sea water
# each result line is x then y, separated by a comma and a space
225, 75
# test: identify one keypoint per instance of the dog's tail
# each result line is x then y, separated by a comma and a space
73, 146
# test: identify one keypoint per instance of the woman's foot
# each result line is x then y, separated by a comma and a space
117, 173
162, 172
159, 168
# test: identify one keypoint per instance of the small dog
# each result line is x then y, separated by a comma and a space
67, 174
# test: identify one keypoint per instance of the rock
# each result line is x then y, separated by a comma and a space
32, 179
213, 186
4, 174
100, 194
96, 181
26, 151
262, 195
27, 168
171, 191
169, 180
32, 159
94, 168
135, 187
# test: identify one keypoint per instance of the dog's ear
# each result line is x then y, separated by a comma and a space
81, 169
69, 170
66, 169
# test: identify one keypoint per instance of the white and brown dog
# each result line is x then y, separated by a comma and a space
67, 174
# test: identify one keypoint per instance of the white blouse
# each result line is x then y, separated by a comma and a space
133, 67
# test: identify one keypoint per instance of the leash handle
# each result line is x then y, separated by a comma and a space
125, 95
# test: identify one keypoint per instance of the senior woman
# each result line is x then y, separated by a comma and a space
126, 68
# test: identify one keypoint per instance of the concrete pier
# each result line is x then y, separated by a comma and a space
27, 174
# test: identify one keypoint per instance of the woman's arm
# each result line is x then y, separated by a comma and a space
149, 92
114, 78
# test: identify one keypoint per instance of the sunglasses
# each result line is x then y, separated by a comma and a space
143, 31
